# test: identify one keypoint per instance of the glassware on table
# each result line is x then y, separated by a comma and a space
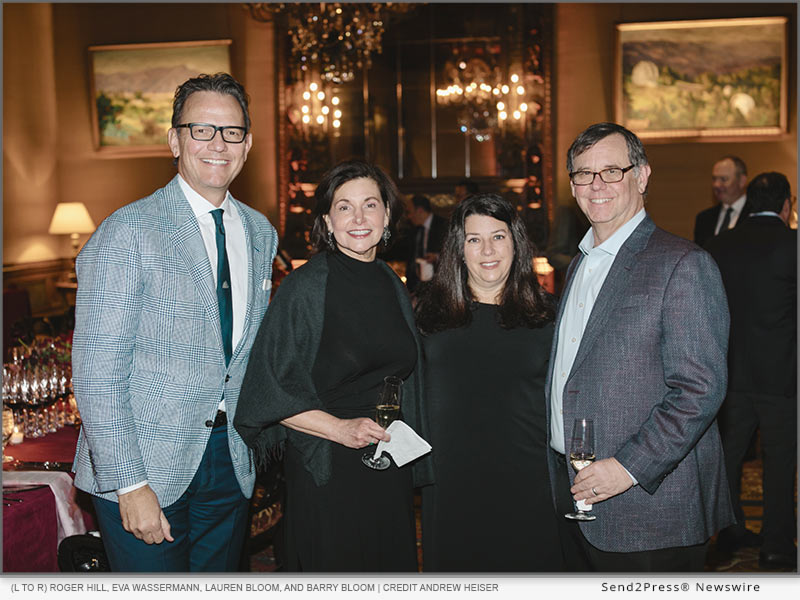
386, 411
8, 429
73, 414
581, 455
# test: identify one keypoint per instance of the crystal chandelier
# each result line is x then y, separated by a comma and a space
337, 38
320, 108
487, 101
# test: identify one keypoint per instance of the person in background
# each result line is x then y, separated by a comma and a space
639, 348
465, 188
487, 327
569, 227
758, 262
428, 234
171, 290
337, 326
728, 182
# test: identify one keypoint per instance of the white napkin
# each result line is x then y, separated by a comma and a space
68, 514
581, 505
405, 444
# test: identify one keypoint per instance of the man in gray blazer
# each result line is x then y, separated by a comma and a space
640, 348
171, 291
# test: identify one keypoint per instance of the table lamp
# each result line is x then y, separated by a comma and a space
71, 218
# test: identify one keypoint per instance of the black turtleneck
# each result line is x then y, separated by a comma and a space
364, 337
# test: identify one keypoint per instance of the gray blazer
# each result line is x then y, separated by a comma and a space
147, 359
651, 372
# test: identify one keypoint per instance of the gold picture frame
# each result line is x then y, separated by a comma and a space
132, 89
703, 80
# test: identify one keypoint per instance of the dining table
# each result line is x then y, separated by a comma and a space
41, 506
57, 447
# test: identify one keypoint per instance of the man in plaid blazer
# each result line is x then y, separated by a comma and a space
155, 378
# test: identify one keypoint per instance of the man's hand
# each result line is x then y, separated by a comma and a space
143, 517
600, 481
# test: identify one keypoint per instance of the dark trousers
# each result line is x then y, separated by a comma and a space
581, 556
739, 416
208, 522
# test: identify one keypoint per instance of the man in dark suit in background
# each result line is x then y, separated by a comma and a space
758, 262
465, 188
426, 239
640, 346
728, 182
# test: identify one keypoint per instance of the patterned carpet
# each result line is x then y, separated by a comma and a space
745, 560
742, 561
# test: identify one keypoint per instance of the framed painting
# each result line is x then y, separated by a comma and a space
702, 80
132, 88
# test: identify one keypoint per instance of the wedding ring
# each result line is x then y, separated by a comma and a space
594, 491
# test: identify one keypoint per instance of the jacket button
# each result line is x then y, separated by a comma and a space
209, 423
227, 378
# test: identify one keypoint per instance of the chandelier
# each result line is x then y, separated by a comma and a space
336, 38
486, 100
319, 107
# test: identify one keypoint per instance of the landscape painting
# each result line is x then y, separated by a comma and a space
133, 87
702, 79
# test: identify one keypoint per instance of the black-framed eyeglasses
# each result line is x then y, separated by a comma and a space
612, 175
205, 132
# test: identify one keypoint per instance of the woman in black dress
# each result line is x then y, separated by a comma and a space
487, 326
336, 328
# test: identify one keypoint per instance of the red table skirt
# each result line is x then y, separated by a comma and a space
30, 532
53, 447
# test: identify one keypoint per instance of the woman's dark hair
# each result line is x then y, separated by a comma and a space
222, 83
339, 175
446, 302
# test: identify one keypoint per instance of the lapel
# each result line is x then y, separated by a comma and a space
613, 290
255, 259
188, 242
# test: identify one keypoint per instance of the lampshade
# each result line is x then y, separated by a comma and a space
71, 217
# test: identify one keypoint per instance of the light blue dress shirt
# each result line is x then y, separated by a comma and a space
586, 284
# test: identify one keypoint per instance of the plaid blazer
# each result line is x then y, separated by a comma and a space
651, 372
147, 359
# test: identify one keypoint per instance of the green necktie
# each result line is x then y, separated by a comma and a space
224, 287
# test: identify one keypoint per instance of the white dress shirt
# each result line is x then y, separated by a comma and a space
735, 213
236, 247
586, 284
427, 231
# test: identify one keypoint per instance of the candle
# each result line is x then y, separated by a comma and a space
17, 436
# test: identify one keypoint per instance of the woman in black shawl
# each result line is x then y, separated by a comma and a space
336, 328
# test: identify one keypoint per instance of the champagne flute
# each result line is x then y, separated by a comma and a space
581, 455
386, 411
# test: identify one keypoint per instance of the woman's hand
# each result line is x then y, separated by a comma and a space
353, 433
361, 432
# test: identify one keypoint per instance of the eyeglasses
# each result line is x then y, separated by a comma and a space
612, 175
205, 132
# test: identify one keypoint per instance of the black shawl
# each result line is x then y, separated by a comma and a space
278, 382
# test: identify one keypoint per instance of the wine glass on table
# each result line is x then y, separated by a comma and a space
581, 455
386, 411
8, 429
